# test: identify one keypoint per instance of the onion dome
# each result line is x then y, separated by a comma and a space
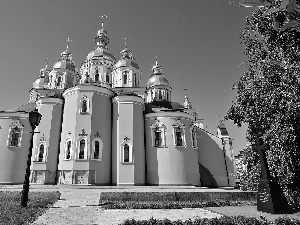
65, 61
126, 59
157, 78
42, 80
101, 51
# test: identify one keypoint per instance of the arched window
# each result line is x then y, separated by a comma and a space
81, 154
97, 148
84, 105
125, 77
68, 149
193, 130
96, 152
178, 137
86, 77
158, 134
107, 78
158, 139
126, 153
58, 81
41, 153
96, 74
15, 136
179, 134
97, 77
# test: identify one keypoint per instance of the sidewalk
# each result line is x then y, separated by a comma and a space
79, 205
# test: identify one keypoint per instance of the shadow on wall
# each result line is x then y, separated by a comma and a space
206, 178
212, 161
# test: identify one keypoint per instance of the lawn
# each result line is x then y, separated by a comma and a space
11, 212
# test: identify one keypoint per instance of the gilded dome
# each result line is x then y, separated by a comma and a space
126, 60
126, 63
39, 83
101, 52
157, 80
64, 64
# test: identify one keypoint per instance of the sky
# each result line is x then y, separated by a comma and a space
197, 42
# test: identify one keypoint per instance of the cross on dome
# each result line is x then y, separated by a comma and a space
68, 43
102, 16
125, 39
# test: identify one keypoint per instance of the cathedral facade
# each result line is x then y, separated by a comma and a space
101, 126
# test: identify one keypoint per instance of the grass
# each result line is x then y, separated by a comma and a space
11, 212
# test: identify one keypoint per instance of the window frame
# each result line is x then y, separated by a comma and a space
100, 156
131, 158
66, 149
45, 154
12, 126
157, 126
193, 130
84, 99
178, 125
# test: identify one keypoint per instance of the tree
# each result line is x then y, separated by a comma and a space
268, 94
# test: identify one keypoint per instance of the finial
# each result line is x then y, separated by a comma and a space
125, 39
102, 16
46, 66
68, 43
156, 57
187, 103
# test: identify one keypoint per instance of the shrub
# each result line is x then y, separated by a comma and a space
225, 220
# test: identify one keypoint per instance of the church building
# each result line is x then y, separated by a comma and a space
101, 126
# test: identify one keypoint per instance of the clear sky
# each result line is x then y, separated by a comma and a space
197, 42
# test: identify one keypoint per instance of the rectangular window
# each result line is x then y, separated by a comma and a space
178, 136
126, 153
15, 136
125, 77
158, 139
96, 153
81, 149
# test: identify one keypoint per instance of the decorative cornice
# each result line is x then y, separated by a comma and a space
83, 132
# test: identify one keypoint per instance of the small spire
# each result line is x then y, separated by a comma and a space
46, 66
157, 69
125, 39
68, 43
156, 57
187, 103
102, 23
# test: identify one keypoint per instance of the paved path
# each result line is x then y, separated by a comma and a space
80, 206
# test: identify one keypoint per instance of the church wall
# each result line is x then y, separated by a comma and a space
49, 135
101, 123
211, 159
128, 128
94, 123
13, 160
171, 165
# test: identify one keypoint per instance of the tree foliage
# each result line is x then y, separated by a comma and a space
268, 95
